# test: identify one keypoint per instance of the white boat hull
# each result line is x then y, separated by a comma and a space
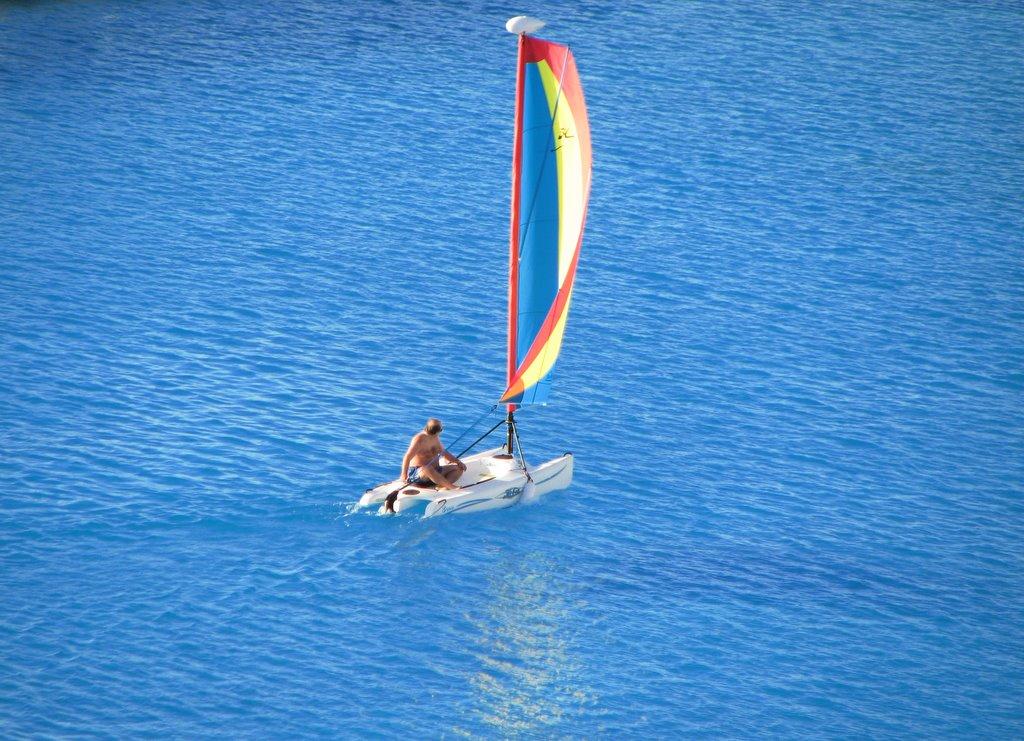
492, 480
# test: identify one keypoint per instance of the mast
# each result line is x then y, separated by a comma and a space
510, 426
513, 260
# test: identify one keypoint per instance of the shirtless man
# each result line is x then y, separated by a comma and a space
421, 464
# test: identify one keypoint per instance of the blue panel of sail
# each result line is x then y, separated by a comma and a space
538, 204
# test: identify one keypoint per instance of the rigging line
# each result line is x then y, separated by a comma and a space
522, 457
472, 444
547, 153
477, 420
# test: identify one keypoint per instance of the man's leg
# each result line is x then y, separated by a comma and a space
434, 474
451, 473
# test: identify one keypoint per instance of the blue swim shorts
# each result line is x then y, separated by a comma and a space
417, 477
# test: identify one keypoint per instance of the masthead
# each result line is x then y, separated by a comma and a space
524, 24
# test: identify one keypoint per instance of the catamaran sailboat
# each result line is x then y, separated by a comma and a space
551, 166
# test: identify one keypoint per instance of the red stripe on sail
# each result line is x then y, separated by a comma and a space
513, 261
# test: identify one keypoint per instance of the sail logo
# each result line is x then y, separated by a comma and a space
563, 134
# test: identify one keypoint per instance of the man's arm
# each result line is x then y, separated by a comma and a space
405, 460
453, 459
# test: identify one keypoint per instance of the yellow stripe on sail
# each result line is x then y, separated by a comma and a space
541, 365
570, 171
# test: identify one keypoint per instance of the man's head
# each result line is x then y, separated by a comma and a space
433, 426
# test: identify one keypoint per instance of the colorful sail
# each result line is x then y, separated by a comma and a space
550, 189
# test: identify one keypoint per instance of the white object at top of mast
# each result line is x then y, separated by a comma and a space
524, 24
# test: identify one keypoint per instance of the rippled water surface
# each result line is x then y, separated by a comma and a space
246, 248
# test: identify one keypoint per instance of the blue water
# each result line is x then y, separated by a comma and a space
247, 248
